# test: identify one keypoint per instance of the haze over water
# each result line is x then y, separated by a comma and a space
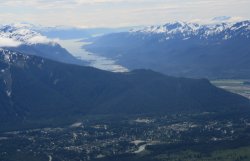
75, 47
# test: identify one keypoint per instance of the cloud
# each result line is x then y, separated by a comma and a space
218, 19
48, 4
7, 42
221, 18
116, 13
235, 19
38, 40
227, 19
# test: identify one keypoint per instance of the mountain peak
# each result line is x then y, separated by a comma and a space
186, 29
21, 34
221, 18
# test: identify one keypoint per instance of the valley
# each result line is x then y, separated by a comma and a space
75, 47
185, 49
123, 80
205, 136
37, 92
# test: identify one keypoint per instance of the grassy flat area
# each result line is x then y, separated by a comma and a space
238, 154
241, 87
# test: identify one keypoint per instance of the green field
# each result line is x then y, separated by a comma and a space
238, 154
241, 87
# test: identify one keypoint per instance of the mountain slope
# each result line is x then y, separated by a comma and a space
35, 89
182, 49
23, 39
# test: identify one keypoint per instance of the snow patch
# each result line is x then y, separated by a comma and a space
50, 158
142, 120
15, 34
8, 93
137, 142
186, 38
141, 149
188, 30
77, 124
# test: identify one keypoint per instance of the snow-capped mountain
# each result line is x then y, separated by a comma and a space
23, 38
218, 50
22, 34
194, 30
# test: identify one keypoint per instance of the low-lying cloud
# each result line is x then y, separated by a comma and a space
39, 40
7, 42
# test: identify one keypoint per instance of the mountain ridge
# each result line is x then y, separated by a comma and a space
35, 89
217, 52
23, 38
196, 29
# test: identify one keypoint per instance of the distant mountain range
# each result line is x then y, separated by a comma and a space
22, 38
182, 49
35, 91
68, 32
65, 33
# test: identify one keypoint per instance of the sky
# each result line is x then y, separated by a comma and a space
119, 13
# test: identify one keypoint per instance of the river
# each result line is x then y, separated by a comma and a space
75, 48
